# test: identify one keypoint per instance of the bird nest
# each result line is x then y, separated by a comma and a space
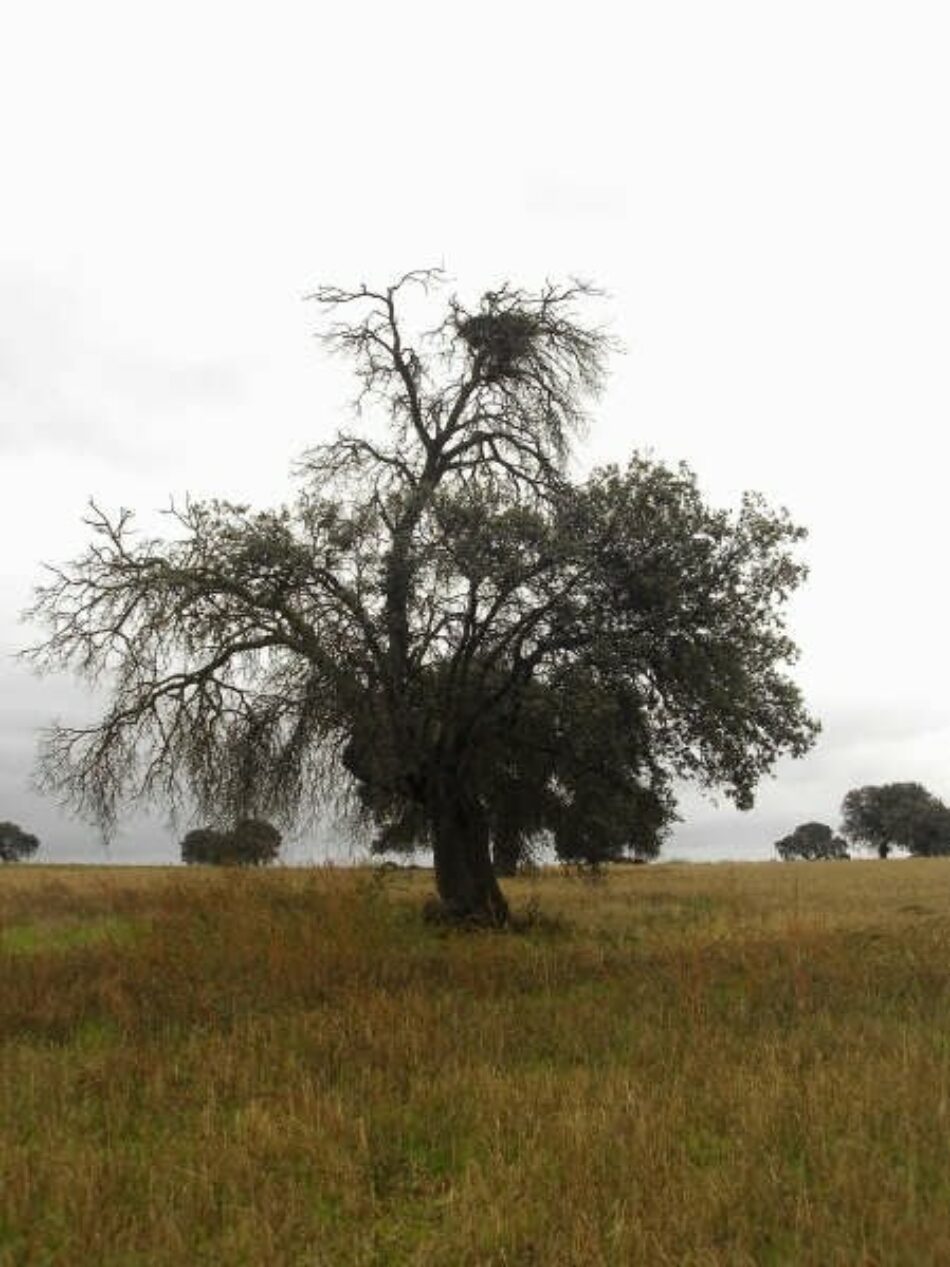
502, 340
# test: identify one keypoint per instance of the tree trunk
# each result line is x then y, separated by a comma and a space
464, 875
506, 853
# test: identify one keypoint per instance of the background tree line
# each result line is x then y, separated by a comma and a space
880, 818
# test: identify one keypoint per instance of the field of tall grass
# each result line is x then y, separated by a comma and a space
731, 1064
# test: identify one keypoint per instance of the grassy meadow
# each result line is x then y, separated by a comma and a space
684, 1065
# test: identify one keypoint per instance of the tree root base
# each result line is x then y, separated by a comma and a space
445, 915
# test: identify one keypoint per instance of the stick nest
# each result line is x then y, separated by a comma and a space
503, 341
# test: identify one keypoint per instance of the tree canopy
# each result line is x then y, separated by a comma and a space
897, 816
812, 842
250, 843
485, 650
16, 845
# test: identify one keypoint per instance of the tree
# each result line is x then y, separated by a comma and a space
16, 844
812, 842
897, 815
930, 837
256, 843
251, 843
486, 651
203, 846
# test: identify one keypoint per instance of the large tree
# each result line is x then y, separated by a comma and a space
897, 815
486, 650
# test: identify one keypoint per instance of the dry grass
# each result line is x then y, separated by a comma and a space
681, 1065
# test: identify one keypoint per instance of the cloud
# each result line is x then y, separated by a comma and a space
575, 198
68, 386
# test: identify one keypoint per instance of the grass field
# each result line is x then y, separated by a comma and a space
678, 1065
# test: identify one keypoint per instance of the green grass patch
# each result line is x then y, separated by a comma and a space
61, 935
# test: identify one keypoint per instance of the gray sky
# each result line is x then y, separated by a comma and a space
763, 189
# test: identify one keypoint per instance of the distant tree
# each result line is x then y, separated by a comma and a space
812, 842
16, 844
897, 815
484, 650
251, 843
204, 846
255, 842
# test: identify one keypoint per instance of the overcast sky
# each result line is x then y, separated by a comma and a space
763, 189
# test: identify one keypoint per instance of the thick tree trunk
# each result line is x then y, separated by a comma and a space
464, 875
506, 854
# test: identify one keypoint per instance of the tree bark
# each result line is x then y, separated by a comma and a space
464, 875
506, 854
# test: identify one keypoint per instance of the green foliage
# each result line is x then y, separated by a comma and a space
563, 767
812, 842
670, 645
897, 815
251, 843
16, 845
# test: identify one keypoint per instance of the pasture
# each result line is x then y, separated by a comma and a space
677, 1065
